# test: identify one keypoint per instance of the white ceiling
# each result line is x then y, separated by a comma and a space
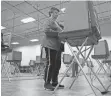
13, 11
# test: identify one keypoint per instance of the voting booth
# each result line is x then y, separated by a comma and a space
14, 59
5, 50
9, 57
40, 65
83, 40
15, 55
101, 53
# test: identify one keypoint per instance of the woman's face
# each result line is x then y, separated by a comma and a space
55, 14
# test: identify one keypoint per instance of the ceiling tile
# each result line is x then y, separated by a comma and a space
103, 7
26, 8
30, 30
24, 27
17, 21
7, 14
98, 2
8, 24
14, 3
43, 4
37, 15
3, 8
105, 14
11, 8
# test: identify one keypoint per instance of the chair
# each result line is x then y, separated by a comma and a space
101, 53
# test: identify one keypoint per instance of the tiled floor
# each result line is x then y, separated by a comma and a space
34, 87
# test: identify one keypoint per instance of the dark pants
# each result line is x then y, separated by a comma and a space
74, 69
54, 67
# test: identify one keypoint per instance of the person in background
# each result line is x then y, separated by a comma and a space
75, 67
53, 46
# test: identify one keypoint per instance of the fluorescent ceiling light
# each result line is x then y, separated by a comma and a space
2, 27
63, 10
34, 40
27, 20
15, 43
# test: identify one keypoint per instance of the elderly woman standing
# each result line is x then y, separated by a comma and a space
52, 44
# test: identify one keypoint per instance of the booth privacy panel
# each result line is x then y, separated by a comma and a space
7, 38
75, 16
76, 36
101, 51
78, 15
67, 58
15, 55
101, 48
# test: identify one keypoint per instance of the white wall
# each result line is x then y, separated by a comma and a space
28, 53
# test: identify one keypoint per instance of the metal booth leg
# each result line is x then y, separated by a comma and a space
102, 66
92, 70
81, 68
84, 62
78, 64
